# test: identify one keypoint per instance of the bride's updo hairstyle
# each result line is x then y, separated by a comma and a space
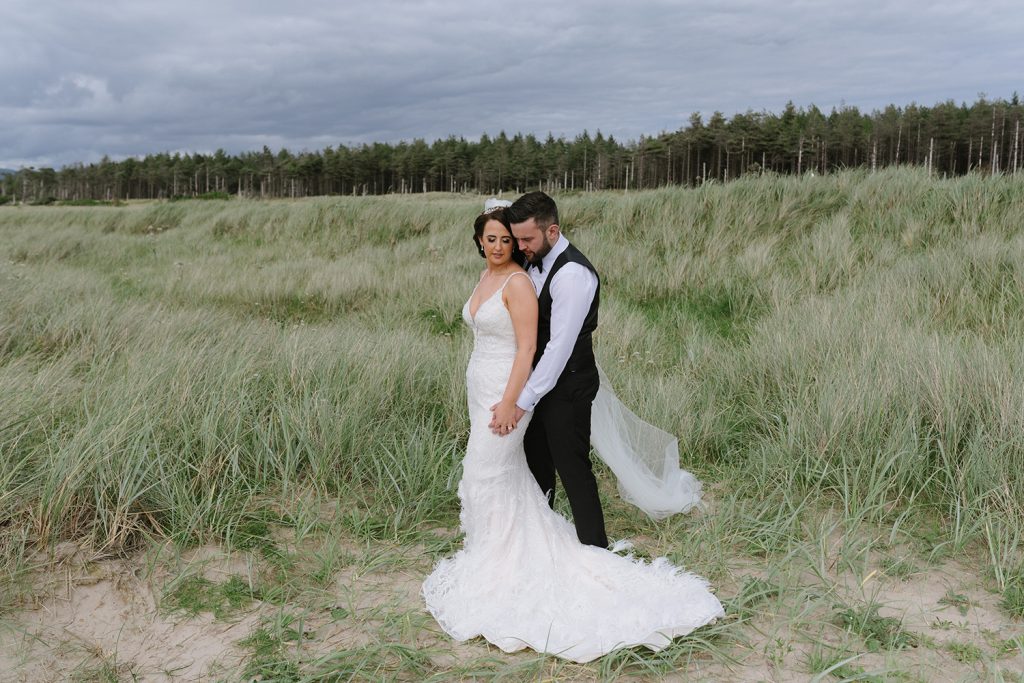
496, 214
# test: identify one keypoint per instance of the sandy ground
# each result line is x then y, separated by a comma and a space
87, 615
90, 614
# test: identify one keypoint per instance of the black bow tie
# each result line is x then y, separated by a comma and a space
538, 266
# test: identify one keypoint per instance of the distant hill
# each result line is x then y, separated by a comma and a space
6, 171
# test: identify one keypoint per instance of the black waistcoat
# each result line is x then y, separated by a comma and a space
583, 352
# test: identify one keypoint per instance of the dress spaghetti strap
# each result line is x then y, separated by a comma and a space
518, 272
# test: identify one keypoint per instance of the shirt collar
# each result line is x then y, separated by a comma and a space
557, 248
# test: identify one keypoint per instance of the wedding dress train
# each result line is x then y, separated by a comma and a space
522, 579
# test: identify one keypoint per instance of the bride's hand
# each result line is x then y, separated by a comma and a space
504, 418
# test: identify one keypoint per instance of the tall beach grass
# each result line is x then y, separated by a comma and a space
849, 343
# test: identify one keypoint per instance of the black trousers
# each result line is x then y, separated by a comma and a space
558, 440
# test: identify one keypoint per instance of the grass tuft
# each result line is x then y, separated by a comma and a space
194, 595
878, 632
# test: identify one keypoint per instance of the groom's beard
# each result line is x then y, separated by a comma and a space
538, 256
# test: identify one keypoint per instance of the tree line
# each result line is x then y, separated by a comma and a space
947, 138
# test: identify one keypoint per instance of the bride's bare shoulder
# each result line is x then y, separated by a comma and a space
520, 284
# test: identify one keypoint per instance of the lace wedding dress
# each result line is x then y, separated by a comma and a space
522, 579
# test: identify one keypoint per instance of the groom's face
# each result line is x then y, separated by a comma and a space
534, 242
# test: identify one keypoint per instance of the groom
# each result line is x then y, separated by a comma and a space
564, 381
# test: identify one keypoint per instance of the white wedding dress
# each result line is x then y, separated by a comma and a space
522, 579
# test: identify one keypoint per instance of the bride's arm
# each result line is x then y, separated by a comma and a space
521, 300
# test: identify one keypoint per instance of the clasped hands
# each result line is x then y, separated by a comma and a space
505, 417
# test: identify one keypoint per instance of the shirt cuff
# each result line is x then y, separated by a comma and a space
527, 399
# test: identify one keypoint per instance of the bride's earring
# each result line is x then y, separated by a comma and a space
479, 248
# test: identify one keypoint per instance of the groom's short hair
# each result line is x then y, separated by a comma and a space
535, 205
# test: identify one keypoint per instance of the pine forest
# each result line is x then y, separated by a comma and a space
947, 139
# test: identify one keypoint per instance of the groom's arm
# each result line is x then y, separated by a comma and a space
572, 292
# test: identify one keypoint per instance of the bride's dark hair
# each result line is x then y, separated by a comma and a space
500, 216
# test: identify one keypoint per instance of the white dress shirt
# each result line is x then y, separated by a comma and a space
572, 292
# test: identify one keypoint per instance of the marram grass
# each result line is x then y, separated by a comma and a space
851, 342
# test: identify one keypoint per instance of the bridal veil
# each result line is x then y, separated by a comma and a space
645, 459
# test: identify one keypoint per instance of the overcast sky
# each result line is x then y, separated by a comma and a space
129, 77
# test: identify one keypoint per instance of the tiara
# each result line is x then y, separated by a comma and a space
493, 204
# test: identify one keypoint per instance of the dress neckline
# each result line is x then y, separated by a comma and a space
472, 314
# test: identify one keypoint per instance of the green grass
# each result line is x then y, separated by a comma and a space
108, 672
964, 652
902, 568
753, 593
839, 357
193, 595
877, 631
826, 660
958, 600
269, 644
1013, 597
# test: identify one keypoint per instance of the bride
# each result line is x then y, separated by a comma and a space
522, 578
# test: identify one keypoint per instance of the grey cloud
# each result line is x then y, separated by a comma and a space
123, 78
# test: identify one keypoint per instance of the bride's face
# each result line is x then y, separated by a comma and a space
497, 243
